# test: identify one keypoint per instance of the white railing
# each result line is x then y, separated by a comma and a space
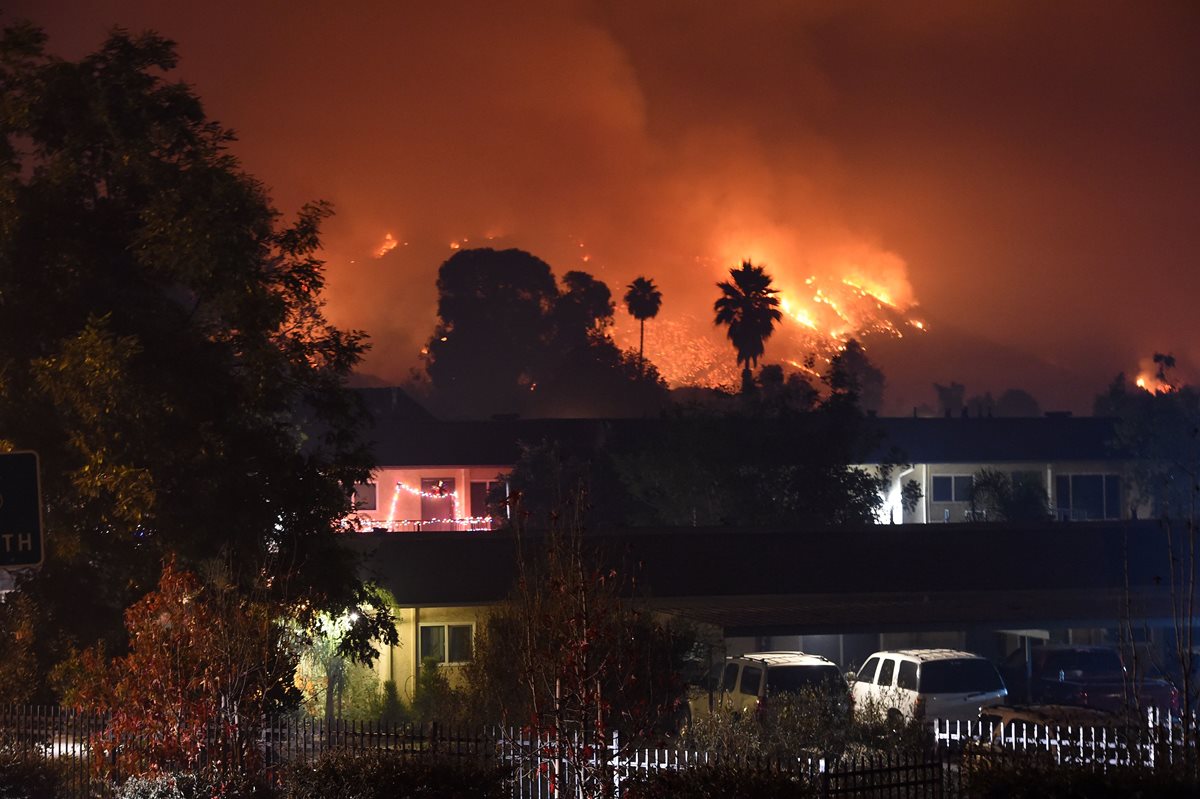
1161, 735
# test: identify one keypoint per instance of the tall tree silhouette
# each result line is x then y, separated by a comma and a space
643, 299
749, 308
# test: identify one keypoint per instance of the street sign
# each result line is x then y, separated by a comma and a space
21, 542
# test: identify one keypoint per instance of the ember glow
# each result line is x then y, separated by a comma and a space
388, 244
1152, 377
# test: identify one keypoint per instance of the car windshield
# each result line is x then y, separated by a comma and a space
796, 678
962, 676
1084, 661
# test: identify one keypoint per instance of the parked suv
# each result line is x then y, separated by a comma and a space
927, 683
746, 681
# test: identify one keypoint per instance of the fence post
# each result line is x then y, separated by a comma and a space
614, 763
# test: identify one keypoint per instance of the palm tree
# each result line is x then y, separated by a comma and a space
749, 307
643, 300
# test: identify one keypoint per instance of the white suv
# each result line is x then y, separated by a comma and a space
746, 680
927, 683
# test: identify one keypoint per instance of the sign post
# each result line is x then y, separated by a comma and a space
21, 540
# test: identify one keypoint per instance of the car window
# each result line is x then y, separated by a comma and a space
906, 677
885, 672
797, 678
751, 680
959, 676
729, 681
867, 672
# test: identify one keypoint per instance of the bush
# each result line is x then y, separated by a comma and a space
1014, 777
24, 775
344, 774
805, 724
717, 782
191, 786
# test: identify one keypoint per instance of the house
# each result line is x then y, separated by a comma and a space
1073, 459
927, 579
439, 476
839, 592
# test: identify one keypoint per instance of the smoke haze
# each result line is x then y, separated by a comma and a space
1023, 171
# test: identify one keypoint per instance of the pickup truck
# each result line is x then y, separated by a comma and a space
1083, 676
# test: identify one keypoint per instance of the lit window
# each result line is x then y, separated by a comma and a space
447, 643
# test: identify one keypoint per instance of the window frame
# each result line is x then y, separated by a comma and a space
956, 481
1065, 506
445, 627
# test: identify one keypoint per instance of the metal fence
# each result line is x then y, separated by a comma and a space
549, 767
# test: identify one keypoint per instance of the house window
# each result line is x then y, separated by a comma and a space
952, 487
1081, 497
365, 496
447, 643
481, 490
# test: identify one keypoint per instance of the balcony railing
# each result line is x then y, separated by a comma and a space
467, 524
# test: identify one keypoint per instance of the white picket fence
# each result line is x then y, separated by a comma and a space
551, 767
1160, 738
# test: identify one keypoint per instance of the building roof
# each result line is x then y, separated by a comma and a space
999, 440
760, 582
409, 439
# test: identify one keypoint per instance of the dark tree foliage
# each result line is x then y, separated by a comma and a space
163, 348
779, 395
575, 655
793, 469
852, 375
749, 310
999, 496
510, 342
1019, 403
491, 343
1162, 431
950, 398
643, 299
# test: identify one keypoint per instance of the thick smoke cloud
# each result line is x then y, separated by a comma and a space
1024, 171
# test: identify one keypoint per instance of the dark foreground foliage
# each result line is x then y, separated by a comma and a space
1032, 778
27, 776
345, 774
726, 781
199, 785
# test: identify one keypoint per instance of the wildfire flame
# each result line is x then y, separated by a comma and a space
389, 243
1154, 376
852, 291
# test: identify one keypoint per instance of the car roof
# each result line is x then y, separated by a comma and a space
787, 658
924, 655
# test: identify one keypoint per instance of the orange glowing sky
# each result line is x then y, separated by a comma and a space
1025, 173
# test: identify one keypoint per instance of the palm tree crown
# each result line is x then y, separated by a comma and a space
749, 307
643, 300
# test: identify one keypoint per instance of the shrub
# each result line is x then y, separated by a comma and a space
725, 781
1009, 777
24, 775
344, 774
202, 785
